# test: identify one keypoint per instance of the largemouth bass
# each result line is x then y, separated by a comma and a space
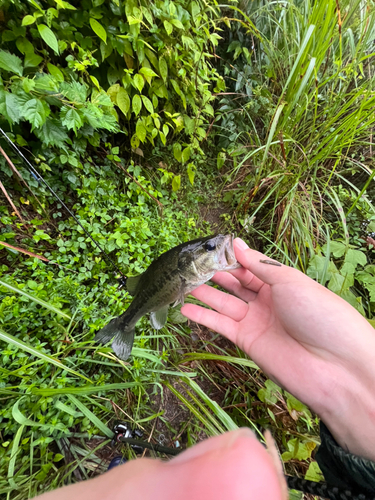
168, 280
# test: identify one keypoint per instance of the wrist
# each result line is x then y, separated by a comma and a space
350, 415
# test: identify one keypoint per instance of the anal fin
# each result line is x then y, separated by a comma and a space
159, 318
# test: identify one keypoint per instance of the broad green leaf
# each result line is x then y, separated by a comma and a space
24, 46
191, 172
28, 85
176, 182
89, 414
136, 104
314, 473
41, 302
36, 112
10, 106
163, 68
147, 104
32, 60
71, 118
123, 100
55, 72
355, 257
221, 157
10, 63
139, 82
177, 153
339, 283
168, 27
9, 339
141, 131
162, 137
185, 155
27, 20
98, 29
177, 23
49, 37
113, 91
148, 73
95, 82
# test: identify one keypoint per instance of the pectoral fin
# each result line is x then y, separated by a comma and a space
159, 318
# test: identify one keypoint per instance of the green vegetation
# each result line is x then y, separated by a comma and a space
150, 119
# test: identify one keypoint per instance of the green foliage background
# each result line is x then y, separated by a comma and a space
142, 116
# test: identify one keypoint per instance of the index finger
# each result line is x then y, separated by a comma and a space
270, 274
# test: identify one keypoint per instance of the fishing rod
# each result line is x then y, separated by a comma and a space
124, 434
39, 178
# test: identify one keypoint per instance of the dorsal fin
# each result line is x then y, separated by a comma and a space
132, 283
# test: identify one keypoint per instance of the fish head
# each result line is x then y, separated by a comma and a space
205, 256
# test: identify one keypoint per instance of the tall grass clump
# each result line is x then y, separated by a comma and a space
302, 116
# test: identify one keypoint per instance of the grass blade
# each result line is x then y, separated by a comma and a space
41, 302
218, 357
9, 339
89, 414
85, 390
12, 461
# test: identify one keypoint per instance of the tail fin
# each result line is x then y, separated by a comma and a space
124, 337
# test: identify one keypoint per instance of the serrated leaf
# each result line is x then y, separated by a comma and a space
139, 82
147, 104
10, 106
49, 37
123, 100
27, 20
176, 183
168, 27
71, 118
136, 105
36, 112
10, 63
55, 72
163, 68
98, 29
52, 133
141, 131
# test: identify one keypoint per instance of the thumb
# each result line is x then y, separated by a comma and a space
271, 274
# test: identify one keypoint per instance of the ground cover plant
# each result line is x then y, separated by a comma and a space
152, 133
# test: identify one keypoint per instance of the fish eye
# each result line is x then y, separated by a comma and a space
209, 246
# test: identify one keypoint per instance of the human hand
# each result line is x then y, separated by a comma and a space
234, 465
306, 338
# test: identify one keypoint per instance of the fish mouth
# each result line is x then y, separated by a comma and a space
229, 252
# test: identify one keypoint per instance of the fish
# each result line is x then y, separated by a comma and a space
168, 280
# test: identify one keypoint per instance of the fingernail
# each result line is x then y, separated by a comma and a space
241, 244
218, 444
